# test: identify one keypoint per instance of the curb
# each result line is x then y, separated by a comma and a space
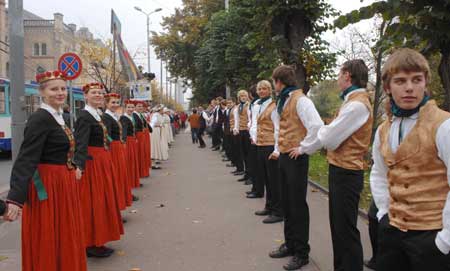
362, 213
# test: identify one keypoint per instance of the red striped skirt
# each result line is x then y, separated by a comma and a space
52, 231
144, 170
120, 174
133, 162
101, 214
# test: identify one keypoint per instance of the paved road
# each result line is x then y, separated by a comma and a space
205, 223
5, 171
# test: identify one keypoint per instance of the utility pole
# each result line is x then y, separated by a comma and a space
17, 83
227, 87
161, 82
148, 43
167, 85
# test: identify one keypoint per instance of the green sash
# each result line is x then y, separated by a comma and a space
40, 189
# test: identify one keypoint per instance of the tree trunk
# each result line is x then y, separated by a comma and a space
444, 74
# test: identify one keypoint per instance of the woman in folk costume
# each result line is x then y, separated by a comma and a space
164, 140
167, 129
118, 150
156, 123
101, 215
143, 139
44, 188
132, 155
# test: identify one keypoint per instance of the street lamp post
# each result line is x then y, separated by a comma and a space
148, 31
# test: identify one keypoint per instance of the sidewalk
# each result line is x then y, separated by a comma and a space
193, 216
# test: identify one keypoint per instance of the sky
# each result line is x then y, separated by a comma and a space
96, 15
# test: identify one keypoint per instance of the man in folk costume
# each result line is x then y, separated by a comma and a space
252, 156
267, 129
410, 177
299, 123
227, 132
347, 140
241, 130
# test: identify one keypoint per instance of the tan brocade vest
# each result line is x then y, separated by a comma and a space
350, 154
243, 118
417, 177
265, 128
232, 118
292, 130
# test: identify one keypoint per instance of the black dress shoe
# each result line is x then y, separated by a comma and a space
202, 147
371, 264
141, 185
97, 252
135, 198
234, 171
156, 167
263, 212
215, 149
272, 219
225, 160
249, 192
239, 173
254, 196
296, 263
281, 252
107, 249
248, 182
241, 180
230, 165
124, 220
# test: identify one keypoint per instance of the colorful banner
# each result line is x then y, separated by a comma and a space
126, 60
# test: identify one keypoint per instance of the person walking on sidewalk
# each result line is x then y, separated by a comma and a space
267, 128
44, 187
410, 177
297, 139
194, 122
347, 140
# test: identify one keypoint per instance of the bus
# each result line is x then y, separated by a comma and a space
32, 101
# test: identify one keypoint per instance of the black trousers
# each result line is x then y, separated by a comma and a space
227, 145
251, 164
267, 175
294, 185
408, 251
200, 136
345, 188
244, 148
217, 134
373, 230
237, 153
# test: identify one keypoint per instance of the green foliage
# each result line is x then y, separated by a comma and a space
325, 96
211, 48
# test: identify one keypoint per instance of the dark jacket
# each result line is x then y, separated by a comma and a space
2, 207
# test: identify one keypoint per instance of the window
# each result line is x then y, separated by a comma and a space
43, 49
2, 100
36, 49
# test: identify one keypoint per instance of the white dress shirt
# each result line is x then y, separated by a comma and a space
155, 121
253, 120
352, 116
378, 175
93, 112
112, 114
56, 114
310, 118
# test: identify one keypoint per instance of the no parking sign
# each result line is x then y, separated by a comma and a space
70, 64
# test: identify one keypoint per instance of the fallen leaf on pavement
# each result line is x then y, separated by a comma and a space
196, 221
133, 211
135, 269
160, 205
278, 241
121, 253
314, 190
3, 258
